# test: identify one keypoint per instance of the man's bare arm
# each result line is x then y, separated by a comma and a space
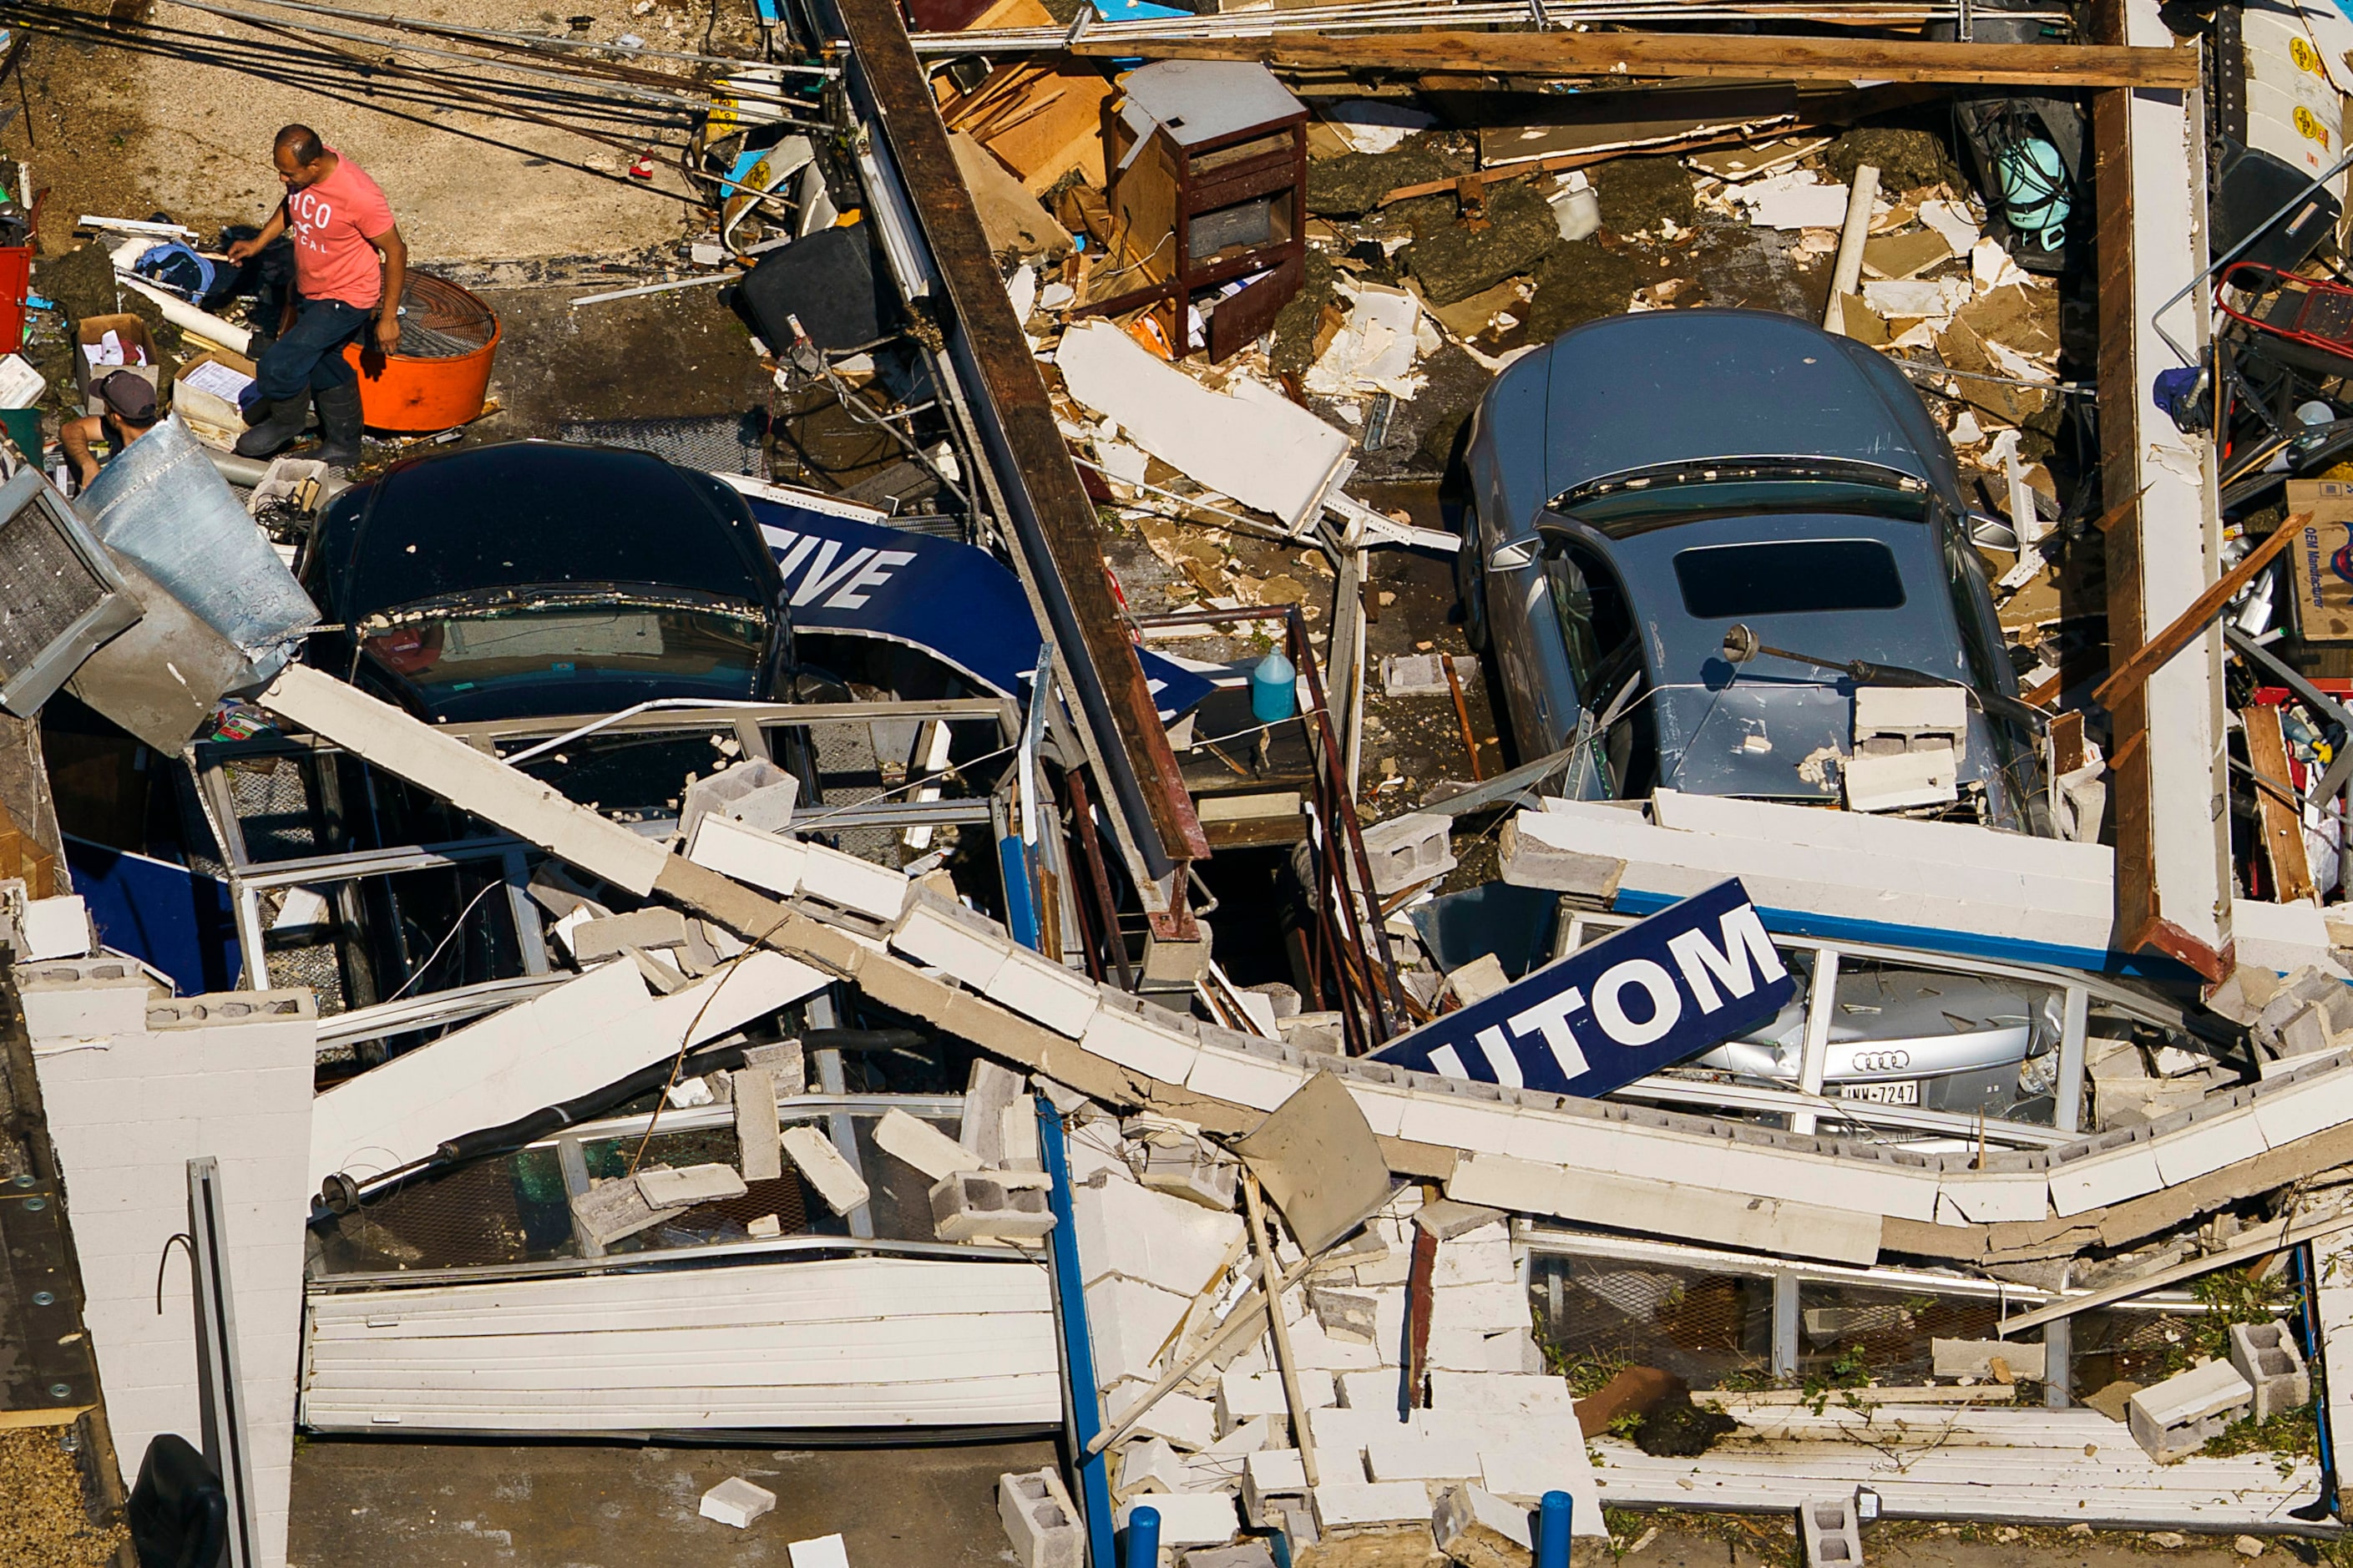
245, 249
75, 437
396, 277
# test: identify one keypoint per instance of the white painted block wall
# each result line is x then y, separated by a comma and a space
126, 1119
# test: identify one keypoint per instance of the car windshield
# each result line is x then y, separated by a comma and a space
455, 654
1633, 502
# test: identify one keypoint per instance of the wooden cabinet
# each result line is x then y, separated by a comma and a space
1208, 162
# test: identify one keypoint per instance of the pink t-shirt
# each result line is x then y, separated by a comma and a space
332, 223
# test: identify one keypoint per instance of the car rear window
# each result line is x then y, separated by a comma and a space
1789, 577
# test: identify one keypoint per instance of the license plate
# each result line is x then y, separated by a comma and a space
1904, 1092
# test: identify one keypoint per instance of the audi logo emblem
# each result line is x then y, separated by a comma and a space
1881, 1061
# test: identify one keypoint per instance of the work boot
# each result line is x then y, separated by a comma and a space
339, 424
278, 432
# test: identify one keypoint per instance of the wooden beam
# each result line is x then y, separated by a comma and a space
1776, 57
2278, 807
2151, 656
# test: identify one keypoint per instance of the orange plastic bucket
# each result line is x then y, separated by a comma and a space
419, 392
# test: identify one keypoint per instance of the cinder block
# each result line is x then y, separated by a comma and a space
817, 1160
1344, 1315
922, 1145
1418, 1457
1243, 1395
819, 1551
1185, 1421
783, 1064
85, 1008
757, 1149
1372, 1389
1407, 850
1501, 1392
1273, 1479
969, 1206
769, 861
648, 928
2175, 1418
1043, 992
1188, 1518
1152, 1466
1830, 1531
1974, 1358
1479, 1530
680, 1187
57, 928
737, 1502
1910, 711
849, 883
610, 1210
988, 1092
1249, 1554
755, 794
1126, 1229
1361, 1505
1040, 1521
2266, 1354
1892, 781
1191, 1170
1447, 1220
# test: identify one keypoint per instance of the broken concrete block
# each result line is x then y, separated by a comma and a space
1479, 1530
754, 794
822, 1166
1131, 1231
1362, 1505
1407, 850
968, 1206
767, 1228
2241, 997
2266, 1355
2302, 989
680, 1187
1185, 1421
757, 1150
783, 1064
1018, 1136
1273, 1479
1320, 1031
2175, 1418
1501, 1392
1131, 1322
1152, 1466
1447, 1219
822, 1552
1424, 674
922, 1145
1344, 1315
1040, 1521
944, 934
1893, 781
2308, 1033
613, 935
57, 928
610, 1210
988, 1091
1477, 980
1528, 858
771, 862
1910, 712
737, 1502
1830, 1533
1242, 1396
1249, 1554
1188, 1518
1975, 1358
1192, 1171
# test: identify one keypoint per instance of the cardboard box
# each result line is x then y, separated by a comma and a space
2321, 561
130, 331
210, 418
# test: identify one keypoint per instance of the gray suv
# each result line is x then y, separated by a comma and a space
1648, 482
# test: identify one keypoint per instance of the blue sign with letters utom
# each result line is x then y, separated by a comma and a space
1685, 980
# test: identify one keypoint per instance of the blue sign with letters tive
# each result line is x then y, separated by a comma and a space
1683, 982
847, 573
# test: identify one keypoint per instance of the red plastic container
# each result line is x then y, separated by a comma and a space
15, 278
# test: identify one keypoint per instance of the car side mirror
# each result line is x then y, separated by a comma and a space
1993, 532
1512, 556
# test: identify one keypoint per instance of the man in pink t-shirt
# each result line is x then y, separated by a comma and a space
342, 225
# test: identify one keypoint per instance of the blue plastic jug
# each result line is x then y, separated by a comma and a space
1274, 690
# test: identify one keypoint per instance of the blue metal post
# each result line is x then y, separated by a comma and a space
1077, 1345
1552, 1530
1020, 907
1142, 1538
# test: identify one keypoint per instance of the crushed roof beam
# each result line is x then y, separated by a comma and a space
1775, 56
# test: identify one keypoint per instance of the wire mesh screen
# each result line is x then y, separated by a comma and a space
1850, 1334
45, 585
273, 799
2107, 1345
717, 444
1597, 1314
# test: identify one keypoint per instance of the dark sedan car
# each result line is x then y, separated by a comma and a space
535, 578
1647, 482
